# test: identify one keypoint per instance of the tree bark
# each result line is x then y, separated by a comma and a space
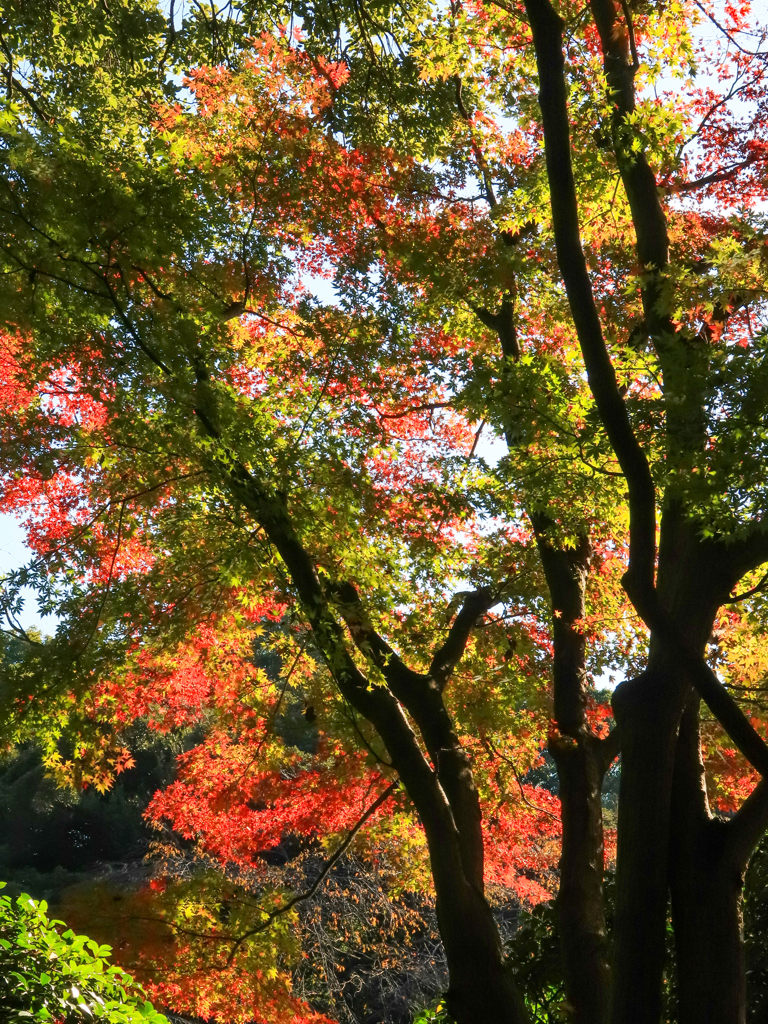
581, 763
706, 880
694, 577
708, 859
481, 986
647, 714
580, 901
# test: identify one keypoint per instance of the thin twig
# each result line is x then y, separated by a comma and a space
631, 34
748, 593
476, 441
511, 763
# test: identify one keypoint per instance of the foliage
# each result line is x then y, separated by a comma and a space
47, 975
534, 955
209, 457
360, 949
436, 1014
45, 827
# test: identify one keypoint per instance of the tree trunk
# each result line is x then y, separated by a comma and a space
707, 864
692, 580
706, 911
581, 760
481, 987
647, 715
580, 905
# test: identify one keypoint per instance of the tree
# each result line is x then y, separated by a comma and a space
204, 447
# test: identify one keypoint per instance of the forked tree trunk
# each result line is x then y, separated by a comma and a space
441, 786
693, 578
481, 987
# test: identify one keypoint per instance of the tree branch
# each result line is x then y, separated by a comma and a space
639, 180
745, 830
714, 177
440, 813
610, 747
503, 757
723, 706
503, 324
759, 588
547, 28
447, 657
310, 892
367, 640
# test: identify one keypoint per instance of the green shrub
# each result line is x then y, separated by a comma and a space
46, 975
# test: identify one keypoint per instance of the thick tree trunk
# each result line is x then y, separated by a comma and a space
707, 864
692, 581
706, 909
647, 716
682, 598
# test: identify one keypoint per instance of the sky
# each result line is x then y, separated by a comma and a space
13, 554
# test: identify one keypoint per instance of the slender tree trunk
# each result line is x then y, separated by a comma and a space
580, 904
581, 760
481, 987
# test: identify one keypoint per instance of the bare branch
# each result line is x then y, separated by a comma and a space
712, 179
503, 757
310, 892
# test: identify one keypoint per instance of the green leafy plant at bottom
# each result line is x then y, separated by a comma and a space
61, 977
434, 1014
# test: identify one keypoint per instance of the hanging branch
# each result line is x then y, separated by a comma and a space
308, 893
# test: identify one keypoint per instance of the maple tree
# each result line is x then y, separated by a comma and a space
540, 221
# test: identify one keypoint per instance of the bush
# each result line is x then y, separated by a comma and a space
49, 976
